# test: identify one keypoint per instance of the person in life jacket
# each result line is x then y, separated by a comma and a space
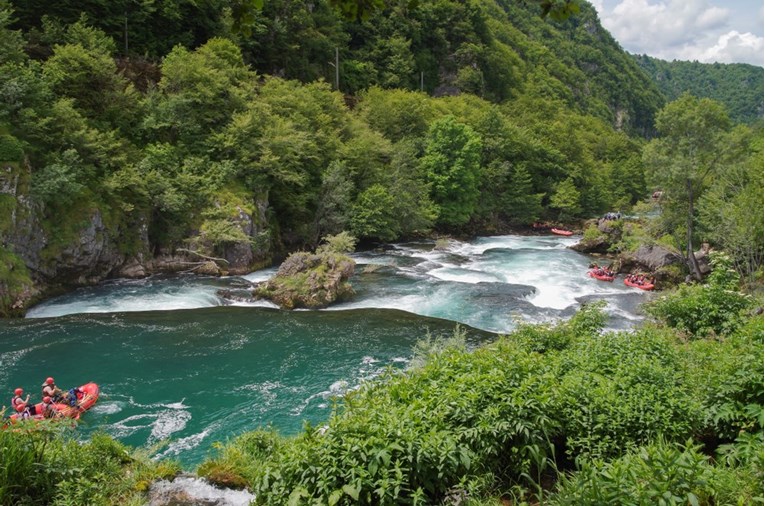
17, 401
73, 396
51, 390
48, 411
22, 406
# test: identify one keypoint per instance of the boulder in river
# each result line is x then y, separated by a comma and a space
309, 280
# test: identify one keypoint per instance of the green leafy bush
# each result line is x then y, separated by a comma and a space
41, 463
715, 308
727, 378
342, 243
661, 473
621, 391
593, 234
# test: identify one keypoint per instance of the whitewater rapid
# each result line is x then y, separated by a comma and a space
490, 283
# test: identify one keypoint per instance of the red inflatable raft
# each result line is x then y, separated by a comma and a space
644, 286
87, 395
602, 277
560, 231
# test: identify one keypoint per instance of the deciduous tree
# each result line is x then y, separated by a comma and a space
685, 157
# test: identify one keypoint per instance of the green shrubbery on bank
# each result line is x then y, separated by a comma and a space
42, 463
567, 414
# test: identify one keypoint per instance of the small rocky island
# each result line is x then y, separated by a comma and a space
308, 280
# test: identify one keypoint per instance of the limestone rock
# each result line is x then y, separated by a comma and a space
655, 257
702, 258
601, 244
242, 255
91, 257
132, 269
208, 268
307, 280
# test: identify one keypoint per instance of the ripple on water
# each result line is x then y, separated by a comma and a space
168, 422
184, 444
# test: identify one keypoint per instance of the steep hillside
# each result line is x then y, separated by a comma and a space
737, 85
496, 49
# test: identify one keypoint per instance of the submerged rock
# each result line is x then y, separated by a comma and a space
309, 280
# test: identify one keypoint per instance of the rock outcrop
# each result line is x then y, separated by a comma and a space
603, 236
241, 256
40, 256
654, 257
309, 280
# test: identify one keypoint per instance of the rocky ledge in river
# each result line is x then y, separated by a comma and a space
309, 280
603, 237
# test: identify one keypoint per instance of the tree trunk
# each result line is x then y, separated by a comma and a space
693, 264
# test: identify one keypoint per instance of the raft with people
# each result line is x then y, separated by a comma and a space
70, 405
601, 274
639, 281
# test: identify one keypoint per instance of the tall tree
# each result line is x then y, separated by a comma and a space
684, 158
451, 165
726, 209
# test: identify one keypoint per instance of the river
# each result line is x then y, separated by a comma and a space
179, 369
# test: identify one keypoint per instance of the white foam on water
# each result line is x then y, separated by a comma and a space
337, 388
267, 389
427, 301
167, 423
461, 275
167, 297
425, 281
178, 446
109, 408
125, 428
260, 275
175, 405
198, 490
512, 242
253, 303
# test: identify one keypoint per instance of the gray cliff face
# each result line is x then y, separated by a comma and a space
242, 255
90, 258
92, 253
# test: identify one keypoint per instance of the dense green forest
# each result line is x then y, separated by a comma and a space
736, 85
130, 131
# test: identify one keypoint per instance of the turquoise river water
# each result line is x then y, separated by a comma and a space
180, 369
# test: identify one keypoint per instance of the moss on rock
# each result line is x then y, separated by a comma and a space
309, 280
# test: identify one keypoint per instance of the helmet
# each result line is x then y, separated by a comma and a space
18, 391
46, 399
20, 407
49, 381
